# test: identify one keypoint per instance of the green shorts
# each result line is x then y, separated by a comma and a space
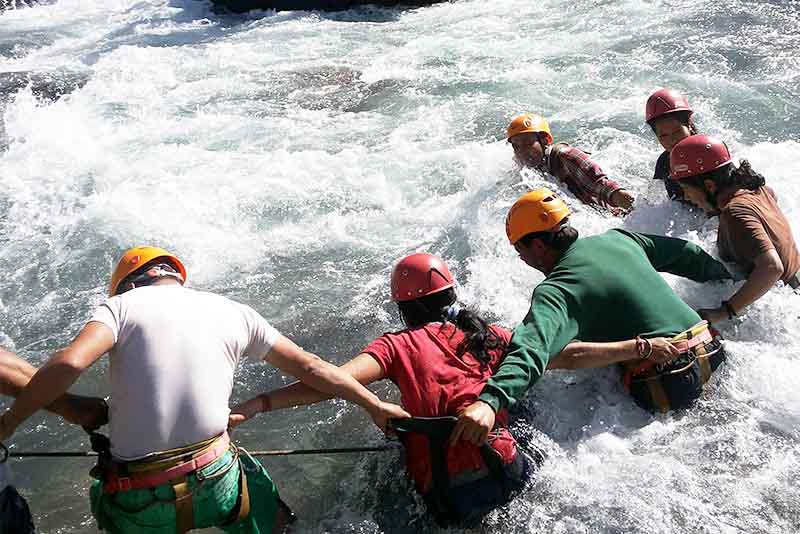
215, 491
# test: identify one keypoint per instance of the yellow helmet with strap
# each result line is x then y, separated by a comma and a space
529, 123
136, 258
538, 211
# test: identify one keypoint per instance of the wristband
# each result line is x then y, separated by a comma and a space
266, 402
731, 312
643, 347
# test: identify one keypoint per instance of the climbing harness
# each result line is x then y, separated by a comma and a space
438, 430
170, 467
675, 384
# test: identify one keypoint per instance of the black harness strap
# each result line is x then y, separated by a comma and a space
438, 430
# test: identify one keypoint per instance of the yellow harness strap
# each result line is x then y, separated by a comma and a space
244, 497
243, 502
184, 513
657, 393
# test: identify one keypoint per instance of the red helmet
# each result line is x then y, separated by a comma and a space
663, 102
697, 154
419, 275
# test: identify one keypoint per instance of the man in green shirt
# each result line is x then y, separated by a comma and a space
605, 291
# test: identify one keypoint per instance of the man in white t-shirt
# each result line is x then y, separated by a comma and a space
173, 352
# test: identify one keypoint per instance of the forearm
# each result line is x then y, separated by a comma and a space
582, 355
15, 373
509, 384
296, 394
757, 285
46, 387
334, 382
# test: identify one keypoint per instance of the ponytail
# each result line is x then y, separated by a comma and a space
479, 338
746, 177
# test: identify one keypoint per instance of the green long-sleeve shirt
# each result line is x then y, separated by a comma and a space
603, 288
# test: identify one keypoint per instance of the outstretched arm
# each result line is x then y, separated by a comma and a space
363, 368
584, 355
15, 373
767, 271
327, 378
57, 375
679, 257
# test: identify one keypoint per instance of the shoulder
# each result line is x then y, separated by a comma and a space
502, 333
569, 152
741, 206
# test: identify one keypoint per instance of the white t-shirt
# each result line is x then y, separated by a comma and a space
175, 351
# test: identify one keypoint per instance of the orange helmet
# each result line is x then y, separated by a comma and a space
538, 211
529, 123
137, 257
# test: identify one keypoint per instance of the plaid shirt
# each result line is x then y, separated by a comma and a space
583, 176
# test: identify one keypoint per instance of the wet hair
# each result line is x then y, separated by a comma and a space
479, 338
559, 240
683, 117
742, 176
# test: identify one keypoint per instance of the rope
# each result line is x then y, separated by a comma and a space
275, 452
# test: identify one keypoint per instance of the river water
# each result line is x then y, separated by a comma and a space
291, 158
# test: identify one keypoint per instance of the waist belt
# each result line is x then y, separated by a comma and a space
699, 334
141, 475
695, 345
438, 430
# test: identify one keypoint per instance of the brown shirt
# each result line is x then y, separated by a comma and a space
750, 224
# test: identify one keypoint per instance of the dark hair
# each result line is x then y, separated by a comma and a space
559, 240
743, 176
479, 338
683, 117
136, 276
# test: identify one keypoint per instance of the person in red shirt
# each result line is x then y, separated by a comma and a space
440, 362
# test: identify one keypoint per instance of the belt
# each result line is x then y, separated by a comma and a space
685, 342
144, 478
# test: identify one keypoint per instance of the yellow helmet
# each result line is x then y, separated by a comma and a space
529, 123
135, 258
538, 211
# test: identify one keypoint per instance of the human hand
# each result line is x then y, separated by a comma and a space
386, 411
663, 351
621, 199
245, 411
714, 315
89, 412
474, 424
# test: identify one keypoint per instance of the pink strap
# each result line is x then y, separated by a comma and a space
150, 480
685, 345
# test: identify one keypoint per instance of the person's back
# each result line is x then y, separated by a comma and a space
172, 365
604, 278
437, 376
752, 223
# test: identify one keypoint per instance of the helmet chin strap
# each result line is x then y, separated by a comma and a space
156, 272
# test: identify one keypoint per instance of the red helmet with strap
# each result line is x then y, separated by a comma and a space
663, 102
695, 155
419, 275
